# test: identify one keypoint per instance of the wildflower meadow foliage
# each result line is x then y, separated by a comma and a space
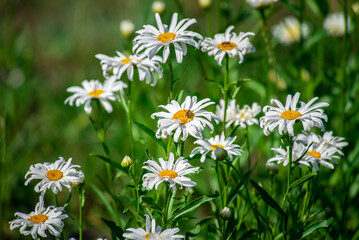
214, 119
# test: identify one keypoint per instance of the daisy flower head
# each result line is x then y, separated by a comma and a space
54, 175
151, 40
119, 64
230, 112
260, 3
289, 31
283, 155
284, 117
245, 116
187, 118
170, 171
228, 43
334, 24
219, 141
152, 232
329, 140
95, 90
322, 154
40, 220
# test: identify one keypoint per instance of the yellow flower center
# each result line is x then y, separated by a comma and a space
165, 37
168, 173
292, 33
96, 93
184, 116
314, 154
226, 46
147, 236
39, 218
290, 115
215, 146
128, 60
54, 175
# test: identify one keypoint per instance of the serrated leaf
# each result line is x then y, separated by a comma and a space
152, 134
322, 224
268, 199
302, 180
191, 206
116, 230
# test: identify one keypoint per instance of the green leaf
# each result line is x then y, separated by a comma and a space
108, 160
104, 200
251, 234
191, 206
322, 224
152, 134
179, 96
302, 180
115, 230
68, 200
292, 7
150, 203
268, 199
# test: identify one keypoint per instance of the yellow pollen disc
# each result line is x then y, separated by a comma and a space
184, 116
39, 218
96, 93
292, 33
168, 173
128, 60
147, 236
215, 146
314, 154
290, 115
54, 175
165, 37
226, 46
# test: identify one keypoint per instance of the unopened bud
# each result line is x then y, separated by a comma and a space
126, 162
226, 213
272, 168
205, 4
220, 153
158, 7
127, 27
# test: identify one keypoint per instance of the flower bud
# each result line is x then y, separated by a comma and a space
272, 168
205, 4
220, 153
126, 162
158, 7
127, 27
226, 213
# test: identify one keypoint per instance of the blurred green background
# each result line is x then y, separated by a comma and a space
48, 46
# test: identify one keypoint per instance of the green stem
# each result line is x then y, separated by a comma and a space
221, 202
246, 133
169, 61
57, 204
225, 91
81, 199
136, 193
129, 120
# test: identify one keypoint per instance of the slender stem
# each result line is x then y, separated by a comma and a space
129, 120
225, 91
246, 133
169, 61
136, 193
81, 199
57, 204
221, 202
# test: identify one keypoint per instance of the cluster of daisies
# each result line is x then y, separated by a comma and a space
308, 148
52, 176
147, 61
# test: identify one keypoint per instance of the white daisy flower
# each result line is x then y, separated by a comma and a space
170, 171
219, 141
336, 142
283, 155
152, 232
228, 43
127, 27
289, 30
188, 118
94, 89
334, 24
158, 7
230, 112
40, 220
260, 3
117, 65
54, 175
284, 117
152, 40
321, 153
